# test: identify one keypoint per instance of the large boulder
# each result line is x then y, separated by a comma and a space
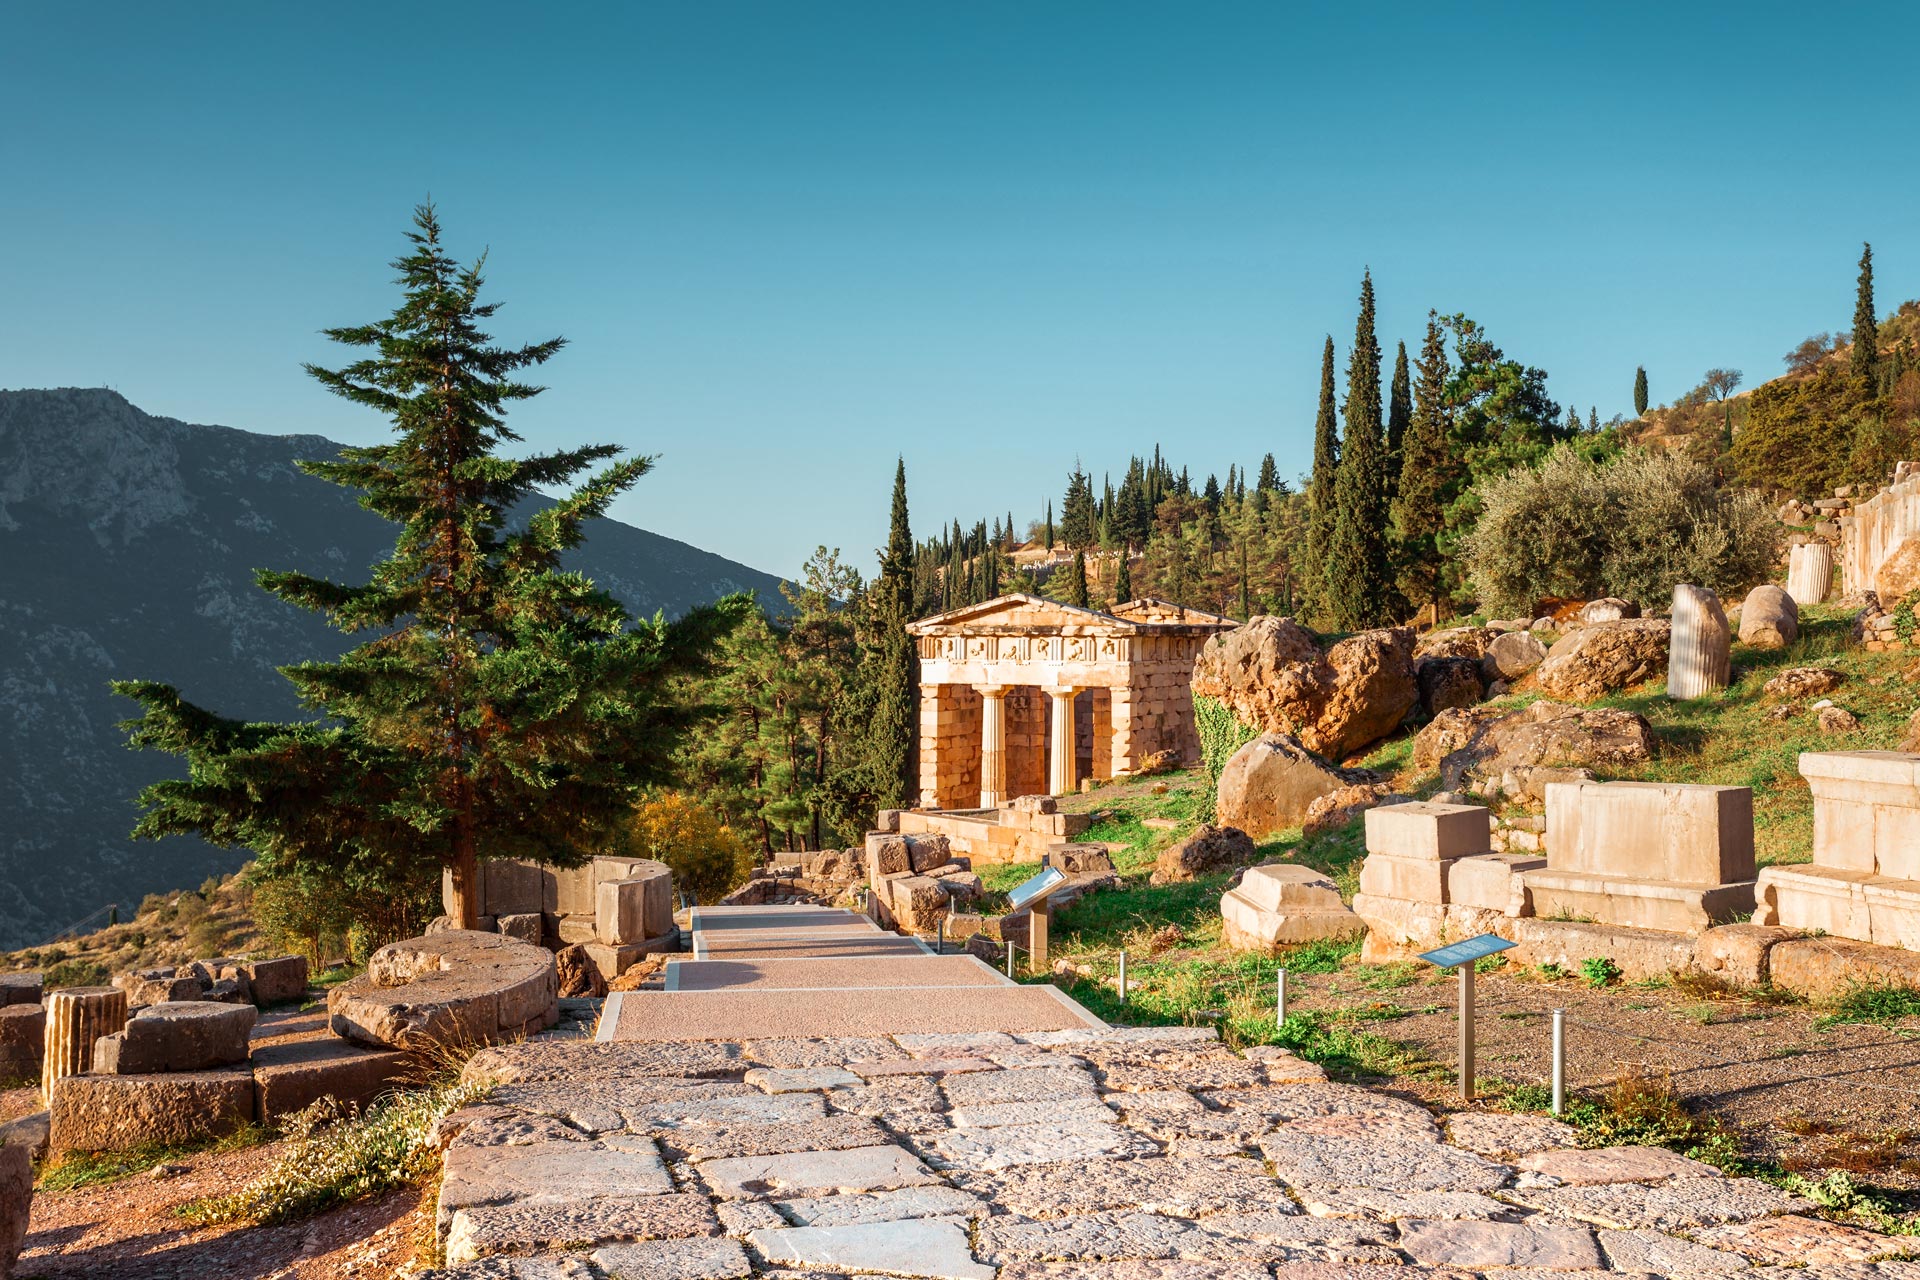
1448, 682
1336, 809
1455, 642
1272, 674
1512, 655
1268, 784
1899, 574
1598, 659
1449, 731
1518, 754
1607, 609
1206, 852
16, 1198
1769, 619
458, 987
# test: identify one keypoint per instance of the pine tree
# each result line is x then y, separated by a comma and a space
1269, 475
1076, 589
1399, 415
504, 707
1079, 523
1419, 504
1123, 581
1866, 331
1326, 473
1593, 419
1359, 583
1640, 391
1573, 422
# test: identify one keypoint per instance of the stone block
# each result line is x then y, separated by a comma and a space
887, 820
1675, 833
1278, 886
1866, 810
23, 1035
917, 902
886, 855
158, 986
928, 851
612, 960
294, 1074
620, 917
1638, 904
16, 1200
1740, 953
1416, 879
1421, 829
119, 1113
1815, 899
21, 988
183, 1035
452, 988
1827, 968
1641, 953
576, 929
528, 928
1493, 882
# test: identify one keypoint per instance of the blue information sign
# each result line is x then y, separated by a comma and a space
1036, 888
1459, 953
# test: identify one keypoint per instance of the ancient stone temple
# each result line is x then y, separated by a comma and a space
1024, 696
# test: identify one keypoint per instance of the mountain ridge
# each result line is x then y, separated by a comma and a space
128, 543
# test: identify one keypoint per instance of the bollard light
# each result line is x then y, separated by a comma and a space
1123, 977
1559, 1062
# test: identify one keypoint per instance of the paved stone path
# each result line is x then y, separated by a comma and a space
1065, 1152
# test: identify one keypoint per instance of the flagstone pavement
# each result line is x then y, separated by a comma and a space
1151, 1153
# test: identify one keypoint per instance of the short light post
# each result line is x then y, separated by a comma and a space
1123, 977
1559, 1062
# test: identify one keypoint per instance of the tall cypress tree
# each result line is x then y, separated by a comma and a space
1866, 331
1419, 504
503, 707
1269, 475
1326, 473
891, 664
1359, 582
1123, 581
1593, 418
1640, 391
1399, 416
1049, 524
1573, 422
1076, 592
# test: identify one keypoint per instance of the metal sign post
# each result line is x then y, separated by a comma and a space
1032, 894
1464, 956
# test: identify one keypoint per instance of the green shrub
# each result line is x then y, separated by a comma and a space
78, 972
1599, 971
1631, 527
1221, 734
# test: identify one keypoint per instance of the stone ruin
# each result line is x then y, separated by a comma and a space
1020, 830
1864, 881
618, 909
1279, 905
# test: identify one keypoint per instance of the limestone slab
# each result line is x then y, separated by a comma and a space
818, 1051
1075, 1109
1286, 1102
117, 1113
1021, 1144
1389, 1206
1665, 1255
674, 1260
181, 1035
811, 1173
549, 1172
1501, 1136
525, 1228
680, 1113
1674, 1206
1184, 1188
800, 1079
935, 1248
931, 1201
1800, 1239
1470, 1243
1422, 829
1136, 1269
1100, 1237
1316, 1160
752, 1013
1026, 1084
728, 1142
1585, 1168
919, 1067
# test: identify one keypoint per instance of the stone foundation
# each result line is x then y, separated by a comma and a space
1864, 882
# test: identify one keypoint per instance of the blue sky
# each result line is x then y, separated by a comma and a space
788, 241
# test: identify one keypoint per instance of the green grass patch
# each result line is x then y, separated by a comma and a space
95, 1168
1880, 1003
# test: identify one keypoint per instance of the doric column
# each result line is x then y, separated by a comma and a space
76, 1017
1060, 779
1700, 649
993, 744
1810, 573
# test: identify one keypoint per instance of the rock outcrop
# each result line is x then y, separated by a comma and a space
1208, 851
1268, 785
1337, 808
1272, 674
1607, 609
1447, 683
1455, 642
1605, 656
1518, 754
1512, 655
1805, 682
1769, 619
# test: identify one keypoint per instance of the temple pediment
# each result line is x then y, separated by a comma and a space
1025, 615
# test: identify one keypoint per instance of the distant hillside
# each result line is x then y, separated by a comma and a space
127, 549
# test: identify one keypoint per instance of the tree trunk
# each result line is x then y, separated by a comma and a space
465, 907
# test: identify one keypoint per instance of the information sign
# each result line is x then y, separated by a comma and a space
1037, 887
1458, 953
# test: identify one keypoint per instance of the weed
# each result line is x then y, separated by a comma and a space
1873, 1002
1328, 955
1552, 971
1641, 1110
1387, 977
1489, 964
1839, 1193
334, 1158
1695, 985
1598, 971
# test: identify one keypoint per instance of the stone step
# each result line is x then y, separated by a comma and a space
817, 944
757, 1014
810, 974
